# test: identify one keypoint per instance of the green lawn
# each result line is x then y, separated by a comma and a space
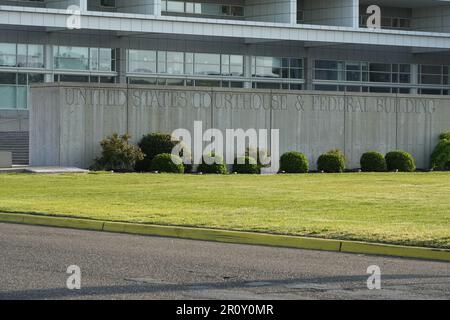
411, 209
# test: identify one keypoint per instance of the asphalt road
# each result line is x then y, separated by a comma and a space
34, 262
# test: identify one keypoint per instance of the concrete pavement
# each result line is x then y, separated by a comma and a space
34, 261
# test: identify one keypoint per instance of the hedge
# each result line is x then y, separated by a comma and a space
401, 161
167, 163
373, 162
294, 162
246, 165
440, 158
216, 165
152, 145
332, 162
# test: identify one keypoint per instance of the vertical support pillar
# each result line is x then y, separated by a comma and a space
247, 71
49, 77
157, 7
83, 5
414, 78
293, 12
309, 71
355, 13
121, 64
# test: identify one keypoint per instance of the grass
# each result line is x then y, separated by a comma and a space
408, 209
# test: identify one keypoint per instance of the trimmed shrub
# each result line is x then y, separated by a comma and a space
373, 162
445, 136
262, 156
167, 163
401, 161
440, 159
294, 162
246, 165
331, 162
217, 166
118, 154
154, 144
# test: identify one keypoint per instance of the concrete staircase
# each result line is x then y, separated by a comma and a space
16, 142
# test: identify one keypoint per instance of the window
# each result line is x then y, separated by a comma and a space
232, 65
272, 67
14, 89
433, 75
200, 8
35, 56
21, 55
189, 65
388, 22
266, 67
71, 58
175, 63
81, 58
142, 61
108, 3
380, 72
355, 71
8, 54
102, 59
329, 70
207, 64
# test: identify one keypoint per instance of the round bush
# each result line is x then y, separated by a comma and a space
246, 165
294, 162
152, 145
217, 166
401, 161
373, 162
167, 163
440, 159
445, 136
331, 163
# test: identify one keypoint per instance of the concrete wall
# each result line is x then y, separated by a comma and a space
68, 121
13, 120
283, 11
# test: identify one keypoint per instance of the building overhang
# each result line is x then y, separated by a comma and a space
134, 24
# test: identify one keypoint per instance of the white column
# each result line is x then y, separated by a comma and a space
157, 7
293, 11
355, 13
83, 5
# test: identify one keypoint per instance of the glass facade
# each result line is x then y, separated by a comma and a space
361, 71
184, 63
433, 75
14, 89
141, 61
24, 64
21, 55
82, 58
210, 69
356, 76
401, 23
202, 8
270, 67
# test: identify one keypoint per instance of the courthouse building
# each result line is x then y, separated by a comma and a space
294, 46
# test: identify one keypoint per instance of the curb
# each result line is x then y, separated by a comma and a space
236, 237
